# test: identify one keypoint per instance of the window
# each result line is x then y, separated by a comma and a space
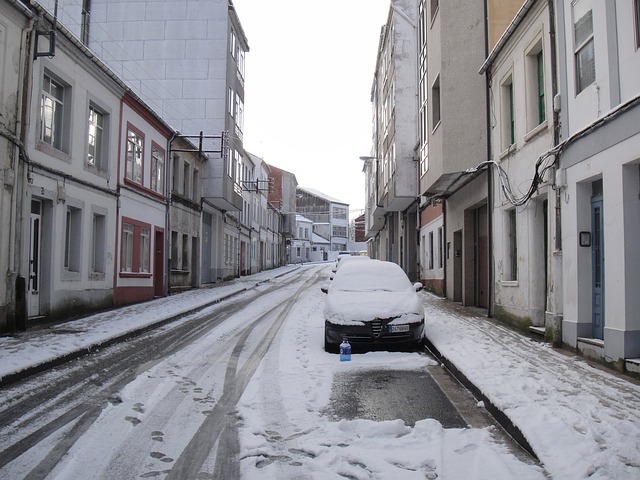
508, 114
185, 252
136, 247
186, 179
72, 238
144, 249
135, 142
230, 101
339, 213
339, 231
534, 80
636, 12
195, 185
127, 247
431, 251
434, 8
96, 153
435, 103
52, 113
157, 169
440, 247
585, 50
540, 85
232, 44
174, 250
512, 252
241, 63
98, 245
176, 174
239, 114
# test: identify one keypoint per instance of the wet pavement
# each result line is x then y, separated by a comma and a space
390, 395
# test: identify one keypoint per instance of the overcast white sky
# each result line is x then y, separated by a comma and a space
308, 78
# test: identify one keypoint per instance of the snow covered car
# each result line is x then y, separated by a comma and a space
342, 260
372, 303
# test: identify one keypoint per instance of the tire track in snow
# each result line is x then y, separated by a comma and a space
189, 463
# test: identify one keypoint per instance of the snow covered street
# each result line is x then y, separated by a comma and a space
582, 422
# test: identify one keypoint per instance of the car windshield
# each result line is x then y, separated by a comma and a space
370, 276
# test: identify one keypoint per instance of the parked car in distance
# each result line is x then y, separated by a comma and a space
344, 259
372, 303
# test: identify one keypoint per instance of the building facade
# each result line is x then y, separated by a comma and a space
329, 215
457, 144
393, 96
599, 176
69, 212
187, 64
520, 71
185, 167
142, 218
301, 243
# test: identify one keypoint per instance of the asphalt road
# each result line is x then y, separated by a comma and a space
189, 377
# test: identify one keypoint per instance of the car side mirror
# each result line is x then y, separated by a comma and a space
418, 286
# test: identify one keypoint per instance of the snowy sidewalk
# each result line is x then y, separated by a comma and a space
581, 421
40, 348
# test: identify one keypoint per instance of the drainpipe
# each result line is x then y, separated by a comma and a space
167, 219
490, 185
556, 314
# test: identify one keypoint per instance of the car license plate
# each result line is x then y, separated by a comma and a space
398, 328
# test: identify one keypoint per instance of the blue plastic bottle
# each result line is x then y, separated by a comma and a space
345, 351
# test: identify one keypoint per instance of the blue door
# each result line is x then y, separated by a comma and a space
597, 266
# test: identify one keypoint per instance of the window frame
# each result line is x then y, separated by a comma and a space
135, 248
636, 18
157, 180
512, 244
101, 152
436, 112
59, 142
507, 112
130, 173
72, 254
586, 45
434, 7
97, 268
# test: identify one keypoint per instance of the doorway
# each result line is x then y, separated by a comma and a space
158, 265
482, 257
33, 286
597, 261
457, 266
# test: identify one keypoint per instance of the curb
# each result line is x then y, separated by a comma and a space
504, 421
88, 349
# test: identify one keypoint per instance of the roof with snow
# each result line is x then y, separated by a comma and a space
302, 218
321, 195
315, 238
